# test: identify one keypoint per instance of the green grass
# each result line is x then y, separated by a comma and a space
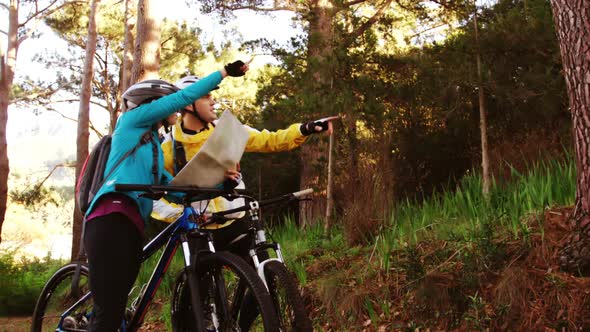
456, 213
461, 212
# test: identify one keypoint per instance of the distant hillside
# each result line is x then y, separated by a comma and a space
36, 143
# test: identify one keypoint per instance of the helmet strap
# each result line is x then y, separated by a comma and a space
195, 114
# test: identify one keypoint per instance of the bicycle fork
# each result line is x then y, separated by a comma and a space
215, 284
192, 280
261, 244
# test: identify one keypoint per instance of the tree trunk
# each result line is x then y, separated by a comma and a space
127, 61
84, 119
329, 198
483, 127
319, 50
572, 19
7, 69
146, 58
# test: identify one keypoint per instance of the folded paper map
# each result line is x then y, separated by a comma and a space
222, 151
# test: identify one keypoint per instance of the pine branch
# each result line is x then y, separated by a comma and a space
90, 124
352, 3
32, 96
358, 32
224, 7
39, 184
41, 14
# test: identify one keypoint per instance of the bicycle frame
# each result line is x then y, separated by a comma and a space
173, 235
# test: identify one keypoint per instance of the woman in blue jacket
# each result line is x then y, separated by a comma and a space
115, 220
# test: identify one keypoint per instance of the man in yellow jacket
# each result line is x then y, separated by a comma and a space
187, 137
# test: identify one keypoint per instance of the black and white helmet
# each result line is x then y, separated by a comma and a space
187, 81
146, 91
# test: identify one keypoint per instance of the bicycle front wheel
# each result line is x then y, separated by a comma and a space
287, 301
224, 280
286, 298
57, 297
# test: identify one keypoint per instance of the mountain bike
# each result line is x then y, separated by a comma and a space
267, 258
215, 280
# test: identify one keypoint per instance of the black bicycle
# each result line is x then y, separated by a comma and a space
215, 281
267, 258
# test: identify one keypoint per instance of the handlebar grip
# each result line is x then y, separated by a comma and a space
303, 192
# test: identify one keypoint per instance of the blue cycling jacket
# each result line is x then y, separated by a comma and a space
131, 125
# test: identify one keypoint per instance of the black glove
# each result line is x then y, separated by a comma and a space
230, 184
313, 127
234, 69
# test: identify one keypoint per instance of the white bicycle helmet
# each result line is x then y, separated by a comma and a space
188, 80
146, 91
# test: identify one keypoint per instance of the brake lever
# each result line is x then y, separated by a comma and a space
231, 196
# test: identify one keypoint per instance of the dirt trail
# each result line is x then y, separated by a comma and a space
15, 324
23, 324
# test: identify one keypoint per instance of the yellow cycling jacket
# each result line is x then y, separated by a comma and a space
259, 141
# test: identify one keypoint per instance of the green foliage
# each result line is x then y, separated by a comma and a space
411, 110
22, 281
181, 50
464, 213
477, 315
32, 193
34, 197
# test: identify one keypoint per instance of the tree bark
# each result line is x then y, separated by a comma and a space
329, 198
7, 69
572, 23
146, 58
319, 50
84, 119
125, 74
483, 127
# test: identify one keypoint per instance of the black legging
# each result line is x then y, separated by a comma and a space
113, 244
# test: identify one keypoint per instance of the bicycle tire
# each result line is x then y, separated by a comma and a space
219, 272
56, 297
287, 300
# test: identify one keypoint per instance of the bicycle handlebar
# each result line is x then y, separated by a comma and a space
286, 197
190, 191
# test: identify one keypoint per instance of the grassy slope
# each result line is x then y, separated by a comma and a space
454, 262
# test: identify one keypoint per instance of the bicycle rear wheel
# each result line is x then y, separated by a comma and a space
56, 298
224, 279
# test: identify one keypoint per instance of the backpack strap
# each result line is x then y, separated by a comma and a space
154, 160
145, 138
179, 155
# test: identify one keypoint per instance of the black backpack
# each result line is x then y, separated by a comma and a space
92, 174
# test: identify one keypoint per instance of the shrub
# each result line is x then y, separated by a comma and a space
21, 282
